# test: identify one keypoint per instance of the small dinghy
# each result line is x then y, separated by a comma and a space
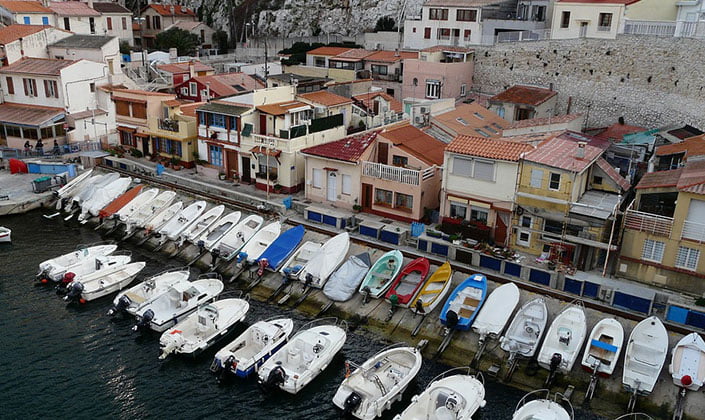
603, 347
244, 355
212, 235
173, 228
343, 283
433, 290
464, 303
55, 268
543, 408
495, 313
232, 242
258, 243
103, 282
180, 299
145, 197
304, 357
149, 210
156, 222
293, 266
102, 197
645, 356
408, 282
374, 386
454, 394
325, 261
120, 202
278, 251
130, 300
564, 340
201, 225
203, 327
687, 366
524, 334
381, 275
5, 234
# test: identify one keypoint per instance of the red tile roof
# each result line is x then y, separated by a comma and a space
470, 120
44, 66
27, 114
142, 92
327, 51
281, 108
366, 98
354, 54
694, 146
178, 68
226, 84
693, 177
526, 95
14, 32
660, 179
561, 152
391, 56
190, 109
110, 8
166, 10
349, 149
325, 98
416, 142
19, 6
488, 148
535, 122
616, 132
613, 174
72, 8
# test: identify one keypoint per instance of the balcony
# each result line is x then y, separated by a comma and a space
169, 125
648, 27
396, 173
649, 223
693, 231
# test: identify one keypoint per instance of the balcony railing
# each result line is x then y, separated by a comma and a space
693, 231
648, 27
169, 125
649, 223
395, 173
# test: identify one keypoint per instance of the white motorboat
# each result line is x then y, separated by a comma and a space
244, 355
374, 386
102, 197
89, 187
144, 198
156, 222
139, 218
103, 282
232, 242
303, 358
201, 225
173, 228
564, 340
603, 347
543, 408
523, 335
55, 268
89, 266
325, 261
211, 236
687, 366
163, 311
454, 394
203, 328
130, 300
71, 187
293, 266
645, 356
259, 242
5, 234
496, 311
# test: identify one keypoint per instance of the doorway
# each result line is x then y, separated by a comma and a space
583, 29
246, 177
231, 158
366, 196
332, 187
263, 124
145, 146
382, 153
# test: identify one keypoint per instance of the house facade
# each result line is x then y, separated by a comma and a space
78, 17
157, 17
523, 103
19, 41
327, 104
26, 13
375, 109
467, 120
203, 88
118, 20
201, 30
439, 72
386, 69
588, 18
99, 48
178, 73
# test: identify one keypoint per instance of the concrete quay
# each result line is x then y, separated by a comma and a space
20, 197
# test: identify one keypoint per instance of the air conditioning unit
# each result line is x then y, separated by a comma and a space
418, 119
605, 294
424, 110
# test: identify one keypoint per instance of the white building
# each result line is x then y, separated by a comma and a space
78, 17
17, 41
25, 13
98, 48
118, 20
691, 18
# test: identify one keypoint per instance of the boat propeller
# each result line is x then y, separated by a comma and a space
366, 294
122, 304
144, 321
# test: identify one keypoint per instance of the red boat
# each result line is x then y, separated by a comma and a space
119, 202
408, 282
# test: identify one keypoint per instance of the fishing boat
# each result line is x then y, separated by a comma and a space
380, 381
293, 266
211, 236
344, 282
543, 408
564, 340
278, 251
408, 282
244, 355
232, 242
156, 222
304, 357
165, 310
103, 282
496, 311
464, 302
55, 268
171, 230
454, 394
523, 335
149, 210
325, 261
201, 225
120, 202
89, 266
143, 199
203, 328
130, 300
5, 234
603, 347
89, 188
102, 197
644, 356
687, 366
258, 243
381, 275
433, 290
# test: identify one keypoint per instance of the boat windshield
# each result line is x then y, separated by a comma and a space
445, 403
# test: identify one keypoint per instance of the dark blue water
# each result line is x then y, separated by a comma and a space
66, 362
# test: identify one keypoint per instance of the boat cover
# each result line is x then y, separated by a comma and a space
282, 247
343, 283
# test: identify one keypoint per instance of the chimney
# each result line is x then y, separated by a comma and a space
192, 68
90, 3
580, 153
621, 120
396, 52
208, 91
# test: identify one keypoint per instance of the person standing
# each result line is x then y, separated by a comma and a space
56, 151
39, 147
27, 148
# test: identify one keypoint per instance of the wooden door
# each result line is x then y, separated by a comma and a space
231, 162
500, 230
366, 196
382, 152
246, 177
263, 124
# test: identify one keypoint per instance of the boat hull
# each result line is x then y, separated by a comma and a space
465, 301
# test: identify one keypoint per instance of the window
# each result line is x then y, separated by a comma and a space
379, 69
127, 139
653, 250
319, 61
383, 197
122, 108
687, 258
553, 226
124, 23
92, 87
10, 85
51, 89
457, 210
317, 181
538, 13
500, 111
466, 15
483, 133
443, 34
462, 167
479, 215
555, 182
438, 14
109, 22
203, 36
463, 89
216, 155
91, 24
139, 110
30, 87
597, 180
184, 91
524, 238
26, 20
427, 33
433, 89
525, 222
605, 22
467, 34
565, 19
45, 20
536, 178
462, 121
484, 170
157, 22
193, 88
267, 164
346, 182
400, 160
404, 201
217, 120
148, 22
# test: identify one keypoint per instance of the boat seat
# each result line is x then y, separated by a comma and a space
532, 328
135, 298
564, 335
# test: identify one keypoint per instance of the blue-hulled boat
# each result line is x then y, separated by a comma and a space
279, 250
464, 303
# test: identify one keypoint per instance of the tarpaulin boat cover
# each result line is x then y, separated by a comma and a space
343, 283
18, 167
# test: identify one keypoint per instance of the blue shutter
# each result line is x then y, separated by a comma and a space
512, 269
26, 20
489, 262
45, 20
572, 286
538, 276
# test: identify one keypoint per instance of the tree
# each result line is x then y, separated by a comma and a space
220, 39
385, 23
125, 47
184, 41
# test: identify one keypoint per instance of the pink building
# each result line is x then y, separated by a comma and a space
439, 72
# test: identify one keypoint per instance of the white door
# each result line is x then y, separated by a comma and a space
332, 191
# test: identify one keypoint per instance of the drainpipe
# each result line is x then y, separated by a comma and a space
609, 244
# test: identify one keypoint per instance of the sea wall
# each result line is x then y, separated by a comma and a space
650, 81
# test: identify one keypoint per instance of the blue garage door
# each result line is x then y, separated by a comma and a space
512, 269
368, 231
316, 217
634, 303
677, 314
330, 220
391, 237
439, 249
590, 289
541, 277
696, 319
489, 262
423, 245
573, 286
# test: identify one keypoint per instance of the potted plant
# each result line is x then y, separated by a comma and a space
221, 176
277, 188
356, 208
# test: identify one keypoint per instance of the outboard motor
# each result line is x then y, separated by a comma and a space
451, 319
201, 245
351, 403
221, 369
73, 292
144, 321
366, 294
62, 287
309, 279
276, 377
419, 307
263, 263
123, 303
556, 360
215, 253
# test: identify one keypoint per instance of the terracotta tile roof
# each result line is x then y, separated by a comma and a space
660, 179
142, 92
28, 114
684, 132
45, 66
226, 84
470, 120
327, 51
282, 108
488, 148
616, 132
89, 113
416, 142
561, 152
354, 54
72, 8
366, 98
325, 98
14, 32
110, 8
693, 176
535, 122
694, 146
19, 6
449, 48
172, 102
186, 25
190, 109
166, 10
690, 178
177, 68
526, 95
391, 56
349, 149
534, 138
613, 174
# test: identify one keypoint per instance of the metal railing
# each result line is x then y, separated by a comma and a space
693, 230
391, 173
647, 222
648, 27
692, 30
169, 125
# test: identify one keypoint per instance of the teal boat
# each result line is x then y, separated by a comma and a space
381, 275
